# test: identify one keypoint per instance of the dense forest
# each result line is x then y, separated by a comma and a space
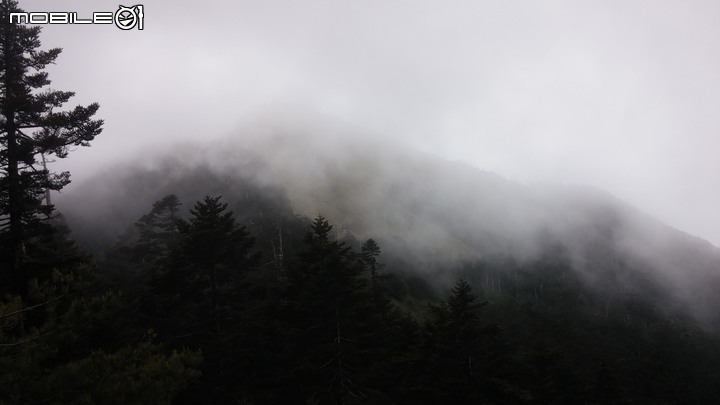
237, 297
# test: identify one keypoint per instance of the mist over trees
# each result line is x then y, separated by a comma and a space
318, 270
59, 343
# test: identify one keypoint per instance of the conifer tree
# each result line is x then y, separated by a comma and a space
32, 125
158, 231
328, 303
368, 255
199, 297
212, 254
391, 337
454, 344
58, 342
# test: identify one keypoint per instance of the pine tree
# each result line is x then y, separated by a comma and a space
368, 255
199, 298
211, 256
58, 342
158, 232
327, 309
32, 126
380, 304
214, 245
454, 342
391, 339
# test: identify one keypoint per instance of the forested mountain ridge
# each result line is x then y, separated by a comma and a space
432, 214
478, 289
208, 276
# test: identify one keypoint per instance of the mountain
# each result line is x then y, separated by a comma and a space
432, 214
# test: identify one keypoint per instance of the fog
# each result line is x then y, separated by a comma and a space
622, 96
429, 214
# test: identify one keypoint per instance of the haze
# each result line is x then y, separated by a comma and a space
620, 95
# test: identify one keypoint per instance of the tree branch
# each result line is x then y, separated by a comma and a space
31, 307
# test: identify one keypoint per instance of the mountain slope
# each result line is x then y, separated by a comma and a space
431, 213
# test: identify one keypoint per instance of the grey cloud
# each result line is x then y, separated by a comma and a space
622, 95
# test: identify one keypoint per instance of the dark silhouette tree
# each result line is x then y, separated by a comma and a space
381, 307
455, 345
158, 232
200, 298
32, 126
391, 341
213, 251
327, 307
369, 253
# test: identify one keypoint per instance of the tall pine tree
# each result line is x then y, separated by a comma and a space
211, 257
325, 303
454, 344
200, 298
33, 125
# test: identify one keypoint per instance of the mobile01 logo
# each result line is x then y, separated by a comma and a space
125, 18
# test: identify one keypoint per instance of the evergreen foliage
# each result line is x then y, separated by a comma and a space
182, 310
60, 345
326, 330
61, 340
32, 128
199, 299
325, 315
158, 232
212, 255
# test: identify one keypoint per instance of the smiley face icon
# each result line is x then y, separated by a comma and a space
127, 18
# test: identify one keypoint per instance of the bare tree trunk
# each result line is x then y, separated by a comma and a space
11, 279
47, 189
215, 300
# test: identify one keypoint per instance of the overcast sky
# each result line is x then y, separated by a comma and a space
621, 95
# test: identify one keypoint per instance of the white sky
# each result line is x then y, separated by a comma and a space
623, 95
